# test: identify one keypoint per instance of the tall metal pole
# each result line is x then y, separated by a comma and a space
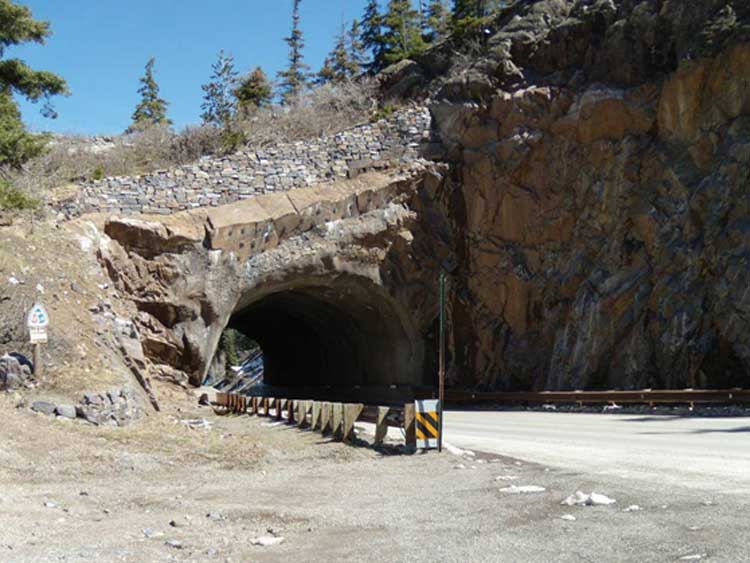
441, 373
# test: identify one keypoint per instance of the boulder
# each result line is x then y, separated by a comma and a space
43, 407
66, 411
401, 79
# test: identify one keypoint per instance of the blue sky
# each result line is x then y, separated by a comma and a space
101, 46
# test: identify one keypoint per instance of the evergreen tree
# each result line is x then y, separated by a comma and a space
356, 49
293, 80
438, 20
371, 36
337, 66
151, 110
16, 144
219, 106
468, 14
402, 36
17, 27
253, 91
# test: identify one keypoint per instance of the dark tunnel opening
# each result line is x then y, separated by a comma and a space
334, 335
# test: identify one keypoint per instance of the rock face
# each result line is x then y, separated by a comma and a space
599, 197
335, 282
594, 218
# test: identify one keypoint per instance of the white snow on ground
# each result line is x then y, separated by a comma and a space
457, 451
523, 489
266, 541
582, 499
506, 477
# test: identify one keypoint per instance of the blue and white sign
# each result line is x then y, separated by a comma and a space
38, 321
38, 317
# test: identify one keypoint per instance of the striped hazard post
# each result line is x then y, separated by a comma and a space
427, 423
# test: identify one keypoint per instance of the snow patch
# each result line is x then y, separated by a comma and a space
522, 490
457, 451
582, 499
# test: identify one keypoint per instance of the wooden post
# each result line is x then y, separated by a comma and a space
254, 406
381, 426
265, 406
278, 409
338, 421
302, 414
315, 422
325, 418
410, 431
351, 414
38, 367
290, 411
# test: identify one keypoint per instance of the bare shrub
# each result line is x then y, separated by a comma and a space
70, 159
323, 111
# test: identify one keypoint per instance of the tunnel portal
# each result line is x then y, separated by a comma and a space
344, 332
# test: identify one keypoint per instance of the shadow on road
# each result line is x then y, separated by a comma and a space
722, 430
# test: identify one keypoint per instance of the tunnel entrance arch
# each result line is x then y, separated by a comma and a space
331, 331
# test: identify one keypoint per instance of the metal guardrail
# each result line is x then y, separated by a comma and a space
336, 419
645, 396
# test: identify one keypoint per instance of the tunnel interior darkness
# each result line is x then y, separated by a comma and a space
339, 335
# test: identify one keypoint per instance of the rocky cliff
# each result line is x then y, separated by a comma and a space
600, 194
592, 209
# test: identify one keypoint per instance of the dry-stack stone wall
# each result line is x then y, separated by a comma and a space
217, 181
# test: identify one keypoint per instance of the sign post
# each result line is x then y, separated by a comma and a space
441, 374
37, 322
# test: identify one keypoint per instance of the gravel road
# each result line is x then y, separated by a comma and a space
160, 491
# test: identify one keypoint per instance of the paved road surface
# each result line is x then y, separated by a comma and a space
701, 453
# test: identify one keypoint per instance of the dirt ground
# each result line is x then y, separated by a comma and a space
73, 492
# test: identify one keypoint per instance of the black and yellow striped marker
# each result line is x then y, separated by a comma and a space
427, 423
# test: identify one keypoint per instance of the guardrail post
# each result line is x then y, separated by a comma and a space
351, 414
290, 411
410, 431
338, 421
278, 409
315, 422
325, 418
381, 425
302, 410
254, 405
266, 402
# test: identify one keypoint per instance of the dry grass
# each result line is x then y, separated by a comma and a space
324, 110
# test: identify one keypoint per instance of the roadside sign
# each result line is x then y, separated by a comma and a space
427, 423
37, 321
38, 317
38, 335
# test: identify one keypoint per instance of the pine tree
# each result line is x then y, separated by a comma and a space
17, 27
151, 110
438, 20
219, 106
356, 49
402, 36
337, 66
371, 36
294, 79
253, 91
16, 144
468, 14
